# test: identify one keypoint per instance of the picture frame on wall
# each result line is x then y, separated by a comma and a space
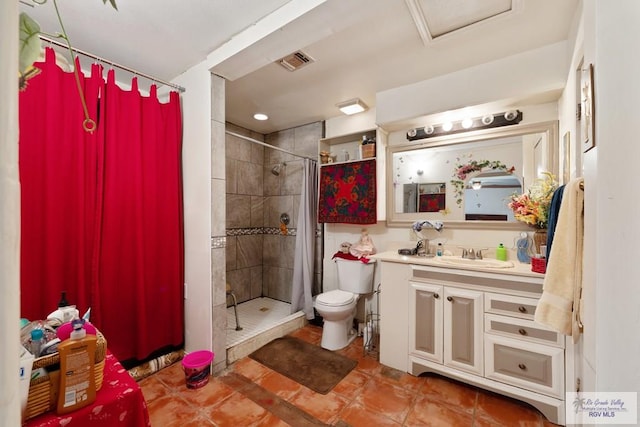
587, 119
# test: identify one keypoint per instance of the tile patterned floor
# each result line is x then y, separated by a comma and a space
250, 394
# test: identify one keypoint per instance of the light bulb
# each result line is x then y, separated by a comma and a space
467, 123
447, 126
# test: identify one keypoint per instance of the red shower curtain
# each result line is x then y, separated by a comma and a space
102, 213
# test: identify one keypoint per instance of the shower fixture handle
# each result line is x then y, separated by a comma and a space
284, 218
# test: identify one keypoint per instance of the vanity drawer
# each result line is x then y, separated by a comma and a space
522, 307
536, 367
522, 329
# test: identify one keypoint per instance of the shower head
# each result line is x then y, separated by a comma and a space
276, 169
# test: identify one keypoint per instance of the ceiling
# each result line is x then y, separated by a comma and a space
359, 47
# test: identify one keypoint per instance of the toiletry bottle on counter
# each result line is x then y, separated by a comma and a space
501, 253
439, 250
77, 370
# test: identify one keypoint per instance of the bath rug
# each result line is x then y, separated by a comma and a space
312, 366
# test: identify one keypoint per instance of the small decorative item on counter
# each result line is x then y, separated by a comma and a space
539, 264
324, 157
501, 253
368, 147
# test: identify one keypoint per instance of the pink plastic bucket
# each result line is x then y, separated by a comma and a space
197, 367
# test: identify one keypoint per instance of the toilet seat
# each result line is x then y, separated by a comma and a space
335, 298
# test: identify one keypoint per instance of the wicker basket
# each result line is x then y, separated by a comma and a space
43, 391
368, 151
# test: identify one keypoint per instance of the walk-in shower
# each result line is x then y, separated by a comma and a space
260, 253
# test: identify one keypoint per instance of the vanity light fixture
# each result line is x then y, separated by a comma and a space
352, 106
260, 116
467, 123
508, 118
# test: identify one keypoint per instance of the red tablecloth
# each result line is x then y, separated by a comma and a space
119, 403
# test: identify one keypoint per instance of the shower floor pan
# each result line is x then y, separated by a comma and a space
262, 320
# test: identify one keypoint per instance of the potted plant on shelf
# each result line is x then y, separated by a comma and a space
532, 207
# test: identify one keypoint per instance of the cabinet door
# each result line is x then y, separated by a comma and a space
463, 330
425, 321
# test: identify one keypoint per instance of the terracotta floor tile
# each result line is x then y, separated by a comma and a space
401, 379
236, 411
355, 415
172, 375
427, 412
250, 368
499, 410
284, 387
371, 395
311, 334
171, 411
451, 393
352, 384
386, 399
324, 407
153, 388
211, 394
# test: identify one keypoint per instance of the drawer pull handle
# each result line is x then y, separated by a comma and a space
522, 331
449, 299
522, 309
522, 366
436, 296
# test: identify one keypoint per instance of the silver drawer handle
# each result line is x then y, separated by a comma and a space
522, 331
522, 309
522, 366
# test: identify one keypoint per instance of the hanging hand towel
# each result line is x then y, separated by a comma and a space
559, 305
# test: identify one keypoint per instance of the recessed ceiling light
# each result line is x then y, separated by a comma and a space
260, 116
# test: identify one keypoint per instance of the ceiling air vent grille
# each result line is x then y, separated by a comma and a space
295, 61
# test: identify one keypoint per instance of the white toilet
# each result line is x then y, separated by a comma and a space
338, 307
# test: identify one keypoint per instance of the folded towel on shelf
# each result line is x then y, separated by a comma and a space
559, 306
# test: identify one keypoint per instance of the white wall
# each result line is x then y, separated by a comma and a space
196, 163
9, 217
614, 167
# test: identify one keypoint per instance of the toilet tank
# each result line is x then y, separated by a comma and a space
355, 276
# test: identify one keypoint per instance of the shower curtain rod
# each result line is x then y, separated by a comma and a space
267, 145
113, 64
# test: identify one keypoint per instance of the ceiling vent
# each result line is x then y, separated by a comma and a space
295, 61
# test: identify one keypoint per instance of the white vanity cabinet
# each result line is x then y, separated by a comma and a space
445, 325
473, 325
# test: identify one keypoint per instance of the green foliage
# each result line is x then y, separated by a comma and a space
29, 42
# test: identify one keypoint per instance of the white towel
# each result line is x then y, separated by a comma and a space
559, 306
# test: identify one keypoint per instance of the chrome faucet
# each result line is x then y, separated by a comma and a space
471, 253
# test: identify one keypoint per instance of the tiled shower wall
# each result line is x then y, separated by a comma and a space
259, 256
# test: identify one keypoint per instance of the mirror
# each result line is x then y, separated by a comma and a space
465, 179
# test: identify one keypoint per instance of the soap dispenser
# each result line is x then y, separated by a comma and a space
501, 253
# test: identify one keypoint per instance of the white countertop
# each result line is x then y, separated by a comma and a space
518, 268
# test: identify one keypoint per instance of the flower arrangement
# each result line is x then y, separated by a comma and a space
533, 206
462, 171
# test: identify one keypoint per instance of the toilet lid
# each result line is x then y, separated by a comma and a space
335, 298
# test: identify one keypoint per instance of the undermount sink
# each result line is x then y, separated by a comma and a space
482, 263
